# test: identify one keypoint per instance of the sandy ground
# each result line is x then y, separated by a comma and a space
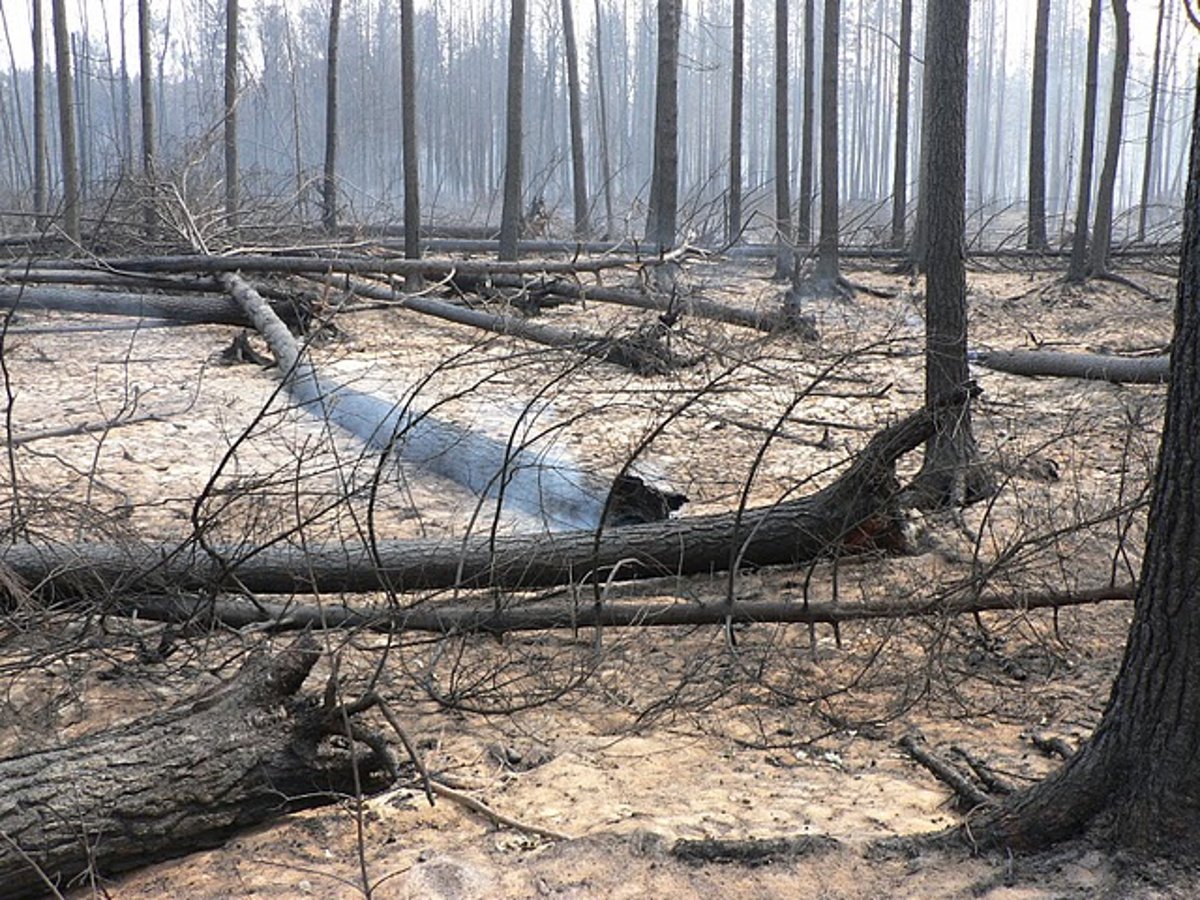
674, 733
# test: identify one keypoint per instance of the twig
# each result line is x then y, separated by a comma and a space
83, 428
1052, 746
496, 818
968, 793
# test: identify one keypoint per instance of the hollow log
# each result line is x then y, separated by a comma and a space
1092, 366
855, 512
177, 781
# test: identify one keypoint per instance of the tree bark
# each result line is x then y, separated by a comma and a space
514, 124
184, 308
854, 512
182, 780
1102, 230
1136, 781
1151, 122
408, 139
1035, 238
146, 100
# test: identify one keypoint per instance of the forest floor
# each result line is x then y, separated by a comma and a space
628, 740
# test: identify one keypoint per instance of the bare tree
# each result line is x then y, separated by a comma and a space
231, 89
602, 112
575, 103
664, 178
947, 476
66, 120
329, 181
900, 168
783, 173
736, 95
408, 139
510, 216
804, 213
1036, 230
827, 247
146, 101
1079, 245
41, 198
1102, 230
1151, 121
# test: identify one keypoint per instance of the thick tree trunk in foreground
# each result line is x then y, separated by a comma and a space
854, 512
175, 782
664, 176
1137, 780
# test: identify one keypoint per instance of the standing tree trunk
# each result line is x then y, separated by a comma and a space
1151, 122
575, 101
827, 247
146, 100
1137, 779
602, 112
1079, 245
736, 96
510, 216
1035, 238
804, 213
329, 182
783, 173
41, 195
664, 178
408, 138
947, 474
900, 169
66, 120
1102, 232
231, 88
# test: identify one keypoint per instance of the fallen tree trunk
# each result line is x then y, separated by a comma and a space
238, 612
636, 352
1092, 366
199, 309
855, 512
177, 781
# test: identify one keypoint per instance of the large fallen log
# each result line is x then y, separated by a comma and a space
1092, 366
854, 512
199, 309
177, 781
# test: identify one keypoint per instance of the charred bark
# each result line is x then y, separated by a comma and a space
1092, 366
177, 781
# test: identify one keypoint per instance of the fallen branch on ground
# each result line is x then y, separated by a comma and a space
752, 851
1092, 366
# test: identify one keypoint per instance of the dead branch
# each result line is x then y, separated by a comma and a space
968, 794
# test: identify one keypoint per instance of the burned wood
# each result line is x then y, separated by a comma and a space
177, 781
857, 509
969, 796
237, 612
752, 851
205, 309
1092, 366
1052, 746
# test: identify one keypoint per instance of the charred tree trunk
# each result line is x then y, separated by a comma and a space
231, 88
579, 192
408, 140
855, 512
804, 212
1092, 366
1151, 122
900, 176
1102, 231
1036, 236
146, 101
510, 215
182, 780
827, 268
1137, 780
66, 121
40, 143
783, 169
664, 179
329, 179
737, 92
1079, 244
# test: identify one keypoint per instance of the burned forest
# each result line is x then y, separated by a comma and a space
707, 448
